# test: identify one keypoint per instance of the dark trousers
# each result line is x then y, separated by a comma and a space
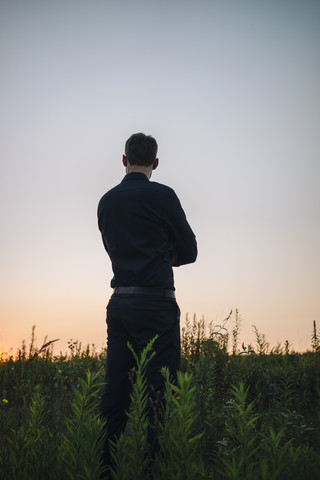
137, 319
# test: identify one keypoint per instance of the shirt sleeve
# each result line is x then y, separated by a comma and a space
99, 215
185, 244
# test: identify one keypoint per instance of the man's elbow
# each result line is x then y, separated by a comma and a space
194, 251
186, 257
193, 256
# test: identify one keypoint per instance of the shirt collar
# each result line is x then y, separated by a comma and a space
135, 176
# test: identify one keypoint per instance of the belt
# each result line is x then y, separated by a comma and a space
156, 292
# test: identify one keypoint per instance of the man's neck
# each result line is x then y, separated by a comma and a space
139, 169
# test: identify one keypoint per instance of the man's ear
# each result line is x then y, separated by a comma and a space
124, 160
155, 164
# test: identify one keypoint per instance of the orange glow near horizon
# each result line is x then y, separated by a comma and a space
94, 332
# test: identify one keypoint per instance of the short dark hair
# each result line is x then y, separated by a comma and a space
141, 149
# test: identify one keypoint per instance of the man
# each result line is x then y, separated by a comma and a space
145, 232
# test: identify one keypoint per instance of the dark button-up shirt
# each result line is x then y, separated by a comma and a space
145, 231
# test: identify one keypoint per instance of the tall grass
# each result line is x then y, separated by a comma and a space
250, 413
79, 453
131, 453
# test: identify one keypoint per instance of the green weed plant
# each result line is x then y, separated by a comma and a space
237, 411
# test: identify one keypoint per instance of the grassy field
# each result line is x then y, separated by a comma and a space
237, 413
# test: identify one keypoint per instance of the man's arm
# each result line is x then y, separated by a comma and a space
185, 248
99, 214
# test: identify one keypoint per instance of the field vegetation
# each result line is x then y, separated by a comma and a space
238, 412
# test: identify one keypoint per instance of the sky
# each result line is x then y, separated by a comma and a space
230, 90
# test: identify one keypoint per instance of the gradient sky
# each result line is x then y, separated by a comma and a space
230, 90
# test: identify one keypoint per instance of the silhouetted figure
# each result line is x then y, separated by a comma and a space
145, 232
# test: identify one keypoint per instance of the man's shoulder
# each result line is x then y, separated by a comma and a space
106, 197
151, 185
111, 192
158, 190
162, 188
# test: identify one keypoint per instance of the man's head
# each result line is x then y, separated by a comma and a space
141, 150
